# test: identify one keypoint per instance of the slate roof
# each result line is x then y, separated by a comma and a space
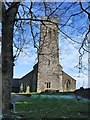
15, 82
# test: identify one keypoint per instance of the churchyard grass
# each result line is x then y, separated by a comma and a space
37, 107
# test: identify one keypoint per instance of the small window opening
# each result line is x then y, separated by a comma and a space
48, 62
48, 85
68, 84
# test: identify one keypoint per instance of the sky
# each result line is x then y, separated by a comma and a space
68, 58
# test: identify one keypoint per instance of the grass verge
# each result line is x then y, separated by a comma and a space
37, 107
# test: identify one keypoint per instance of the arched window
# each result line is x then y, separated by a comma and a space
68, 84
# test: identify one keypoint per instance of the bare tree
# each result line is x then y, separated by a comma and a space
8, 20
21, 25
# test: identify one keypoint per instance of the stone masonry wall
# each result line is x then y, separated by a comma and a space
30, 80
68, 83
48, 62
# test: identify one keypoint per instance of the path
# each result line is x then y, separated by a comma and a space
19, 97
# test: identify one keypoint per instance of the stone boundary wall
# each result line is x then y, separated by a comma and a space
85, 93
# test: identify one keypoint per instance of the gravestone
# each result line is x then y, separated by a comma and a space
21, 88
28, 89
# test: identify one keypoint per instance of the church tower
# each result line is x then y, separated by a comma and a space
49, 77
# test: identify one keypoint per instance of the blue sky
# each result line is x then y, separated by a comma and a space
69, 56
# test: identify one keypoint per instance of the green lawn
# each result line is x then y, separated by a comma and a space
37, 107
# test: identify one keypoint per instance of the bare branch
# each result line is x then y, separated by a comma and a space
56, 9
14, 4
68, 36
84, 9
45, 6
32, 27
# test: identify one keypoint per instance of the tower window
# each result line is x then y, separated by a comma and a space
48, 62
50, 32
48, 85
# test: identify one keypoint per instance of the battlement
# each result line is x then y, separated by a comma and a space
54, 20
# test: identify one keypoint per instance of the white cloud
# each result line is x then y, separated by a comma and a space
82, 81
28, 60
27, 57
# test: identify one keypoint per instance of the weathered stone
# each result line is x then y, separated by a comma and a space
48, 63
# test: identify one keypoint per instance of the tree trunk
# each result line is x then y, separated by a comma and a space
7, 56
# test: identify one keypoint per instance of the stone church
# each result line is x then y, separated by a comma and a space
48, 74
